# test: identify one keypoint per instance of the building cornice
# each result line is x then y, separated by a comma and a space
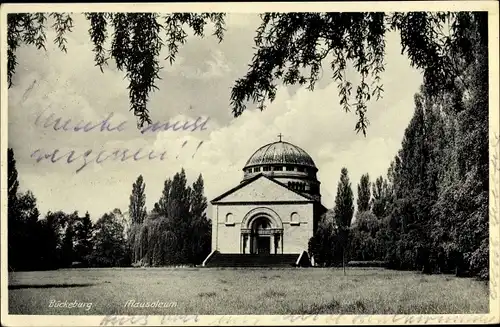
263, 202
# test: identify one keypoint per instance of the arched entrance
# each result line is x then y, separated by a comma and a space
261, 236
262, 232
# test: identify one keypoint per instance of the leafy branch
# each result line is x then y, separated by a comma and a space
136, 43
289, 47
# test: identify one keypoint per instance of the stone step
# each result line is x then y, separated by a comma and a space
252, 260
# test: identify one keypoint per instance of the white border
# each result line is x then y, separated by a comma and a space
240, 7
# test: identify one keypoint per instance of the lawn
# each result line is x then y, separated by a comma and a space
245, 291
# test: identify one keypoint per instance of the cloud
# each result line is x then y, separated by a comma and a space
325, 132
213, 68
70, 85
243, 20
310, 120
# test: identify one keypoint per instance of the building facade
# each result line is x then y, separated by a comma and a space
276, 207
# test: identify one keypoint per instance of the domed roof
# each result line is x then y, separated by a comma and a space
280, 153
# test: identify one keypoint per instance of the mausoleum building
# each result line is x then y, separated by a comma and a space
273, 211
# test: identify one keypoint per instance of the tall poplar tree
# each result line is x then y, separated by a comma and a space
381, 197
364, 194
162, 206
179, 214
343, 211
137, 206
200, 225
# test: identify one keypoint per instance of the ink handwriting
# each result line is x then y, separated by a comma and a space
68, 126
124, 320
107, 125
177, 320
88, 157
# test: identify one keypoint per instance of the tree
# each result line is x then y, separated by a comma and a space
24, 230
413, 199
135, 47
13, 221
285, 45
13, 183
48, 243
177, 231
200, 225
322, 245
162, 206
22, 221
436, 216
67, 246
343, 211
461, 215
154, 242
381, 197
109, 243
364, 195
83, 239
363, 243
53, 228
137, 207
123, 219
179, 215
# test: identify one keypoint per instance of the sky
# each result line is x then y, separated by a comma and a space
198, 84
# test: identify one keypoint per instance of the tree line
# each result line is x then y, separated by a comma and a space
430, 212
177, 231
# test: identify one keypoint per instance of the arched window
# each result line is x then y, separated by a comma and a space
229, 219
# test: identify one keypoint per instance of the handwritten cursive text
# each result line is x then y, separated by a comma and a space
107, 125
91, 156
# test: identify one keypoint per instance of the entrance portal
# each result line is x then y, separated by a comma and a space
262, 235
263, 244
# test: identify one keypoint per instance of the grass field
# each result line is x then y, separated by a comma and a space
255, 291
